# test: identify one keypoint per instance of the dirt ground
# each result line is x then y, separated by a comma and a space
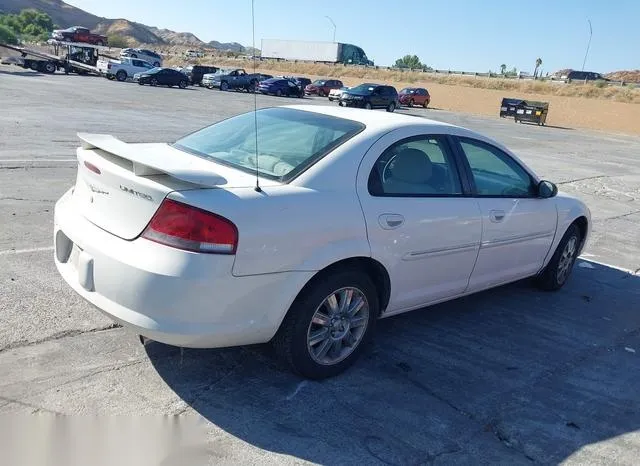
567, 112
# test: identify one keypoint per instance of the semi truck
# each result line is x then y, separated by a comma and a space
314, 51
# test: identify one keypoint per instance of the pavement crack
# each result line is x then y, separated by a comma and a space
582, 179
621, 216
57, 336
35, 408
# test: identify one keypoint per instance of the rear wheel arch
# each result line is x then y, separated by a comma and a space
371, 267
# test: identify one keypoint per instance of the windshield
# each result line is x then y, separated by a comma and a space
289, 141
407, 90
366, 88
319, 82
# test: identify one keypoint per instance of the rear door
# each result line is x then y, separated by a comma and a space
518, 226
420, 225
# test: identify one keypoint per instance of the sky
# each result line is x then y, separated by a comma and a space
465, 35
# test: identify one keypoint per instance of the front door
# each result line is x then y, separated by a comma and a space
518, 226
419, 224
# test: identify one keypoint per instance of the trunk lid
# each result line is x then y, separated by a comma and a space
119, 186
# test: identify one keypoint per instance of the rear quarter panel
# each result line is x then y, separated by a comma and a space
287, 228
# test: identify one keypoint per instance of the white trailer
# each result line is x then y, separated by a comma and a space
301, 50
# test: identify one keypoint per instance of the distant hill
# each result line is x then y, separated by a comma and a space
65, 15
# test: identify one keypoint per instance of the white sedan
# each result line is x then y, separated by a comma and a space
337, 218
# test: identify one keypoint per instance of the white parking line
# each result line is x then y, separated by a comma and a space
25, 251
36, 160
587, 258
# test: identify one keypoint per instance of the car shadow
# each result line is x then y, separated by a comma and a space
511, 375
22, 73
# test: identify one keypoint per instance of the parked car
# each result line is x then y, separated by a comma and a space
300, 81
369, 96
162, 77
584, 76
322, 87
280, 87
123, 68
79, 34
414, 96
147, 55
335, 94
196, 72
236, 78
396, 213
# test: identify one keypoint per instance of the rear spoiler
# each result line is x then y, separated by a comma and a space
178, 164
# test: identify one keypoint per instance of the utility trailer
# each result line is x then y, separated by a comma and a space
80, 58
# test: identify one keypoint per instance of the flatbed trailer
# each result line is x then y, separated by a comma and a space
80, 58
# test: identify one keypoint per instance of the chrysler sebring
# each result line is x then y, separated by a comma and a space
306, 233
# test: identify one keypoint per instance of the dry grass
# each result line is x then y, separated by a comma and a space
573, 106
625, 94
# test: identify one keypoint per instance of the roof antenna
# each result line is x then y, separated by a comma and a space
255, 95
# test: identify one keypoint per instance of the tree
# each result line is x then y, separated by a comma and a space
7, 35
503, 69
538, 63
409, 61
118, 41
29, 25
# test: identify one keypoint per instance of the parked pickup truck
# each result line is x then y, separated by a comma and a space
79, 34
123, 68
233, 79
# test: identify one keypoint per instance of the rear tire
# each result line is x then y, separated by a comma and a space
121, 75
278, 93
425, 104
49, 67
310, 313
320, 93
411, 102
558, 270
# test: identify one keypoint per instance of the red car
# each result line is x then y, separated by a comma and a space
79, 34
322, 87
414, 96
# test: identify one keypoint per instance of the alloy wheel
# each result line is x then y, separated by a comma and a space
338, 326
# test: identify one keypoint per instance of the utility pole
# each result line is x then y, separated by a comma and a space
588, 44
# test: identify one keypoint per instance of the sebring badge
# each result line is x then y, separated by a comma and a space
136, 193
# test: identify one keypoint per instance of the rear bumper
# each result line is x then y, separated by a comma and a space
171, 296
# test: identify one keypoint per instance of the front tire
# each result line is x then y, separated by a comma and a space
182, 84
368, 106
154, 82
391, 107
224, 86
329, 324
121, 75
559, 268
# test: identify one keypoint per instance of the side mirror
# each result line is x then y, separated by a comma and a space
547, 189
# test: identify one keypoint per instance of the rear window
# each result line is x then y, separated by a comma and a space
289, 141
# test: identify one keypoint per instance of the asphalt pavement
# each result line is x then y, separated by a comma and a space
509, 376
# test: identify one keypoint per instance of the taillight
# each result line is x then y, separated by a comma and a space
185, 227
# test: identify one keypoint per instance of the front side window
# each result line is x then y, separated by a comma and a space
415, 167
289, 141
495, 173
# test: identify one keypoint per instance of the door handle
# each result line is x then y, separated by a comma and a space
496, 216
390, 221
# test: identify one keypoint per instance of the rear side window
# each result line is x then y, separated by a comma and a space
420, 166
289, 141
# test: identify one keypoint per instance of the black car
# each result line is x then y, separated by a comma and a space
369, 95
585, 76
163, 77
196, 72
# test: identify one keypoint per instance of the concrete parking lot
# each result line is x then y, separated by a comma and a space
509, 376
